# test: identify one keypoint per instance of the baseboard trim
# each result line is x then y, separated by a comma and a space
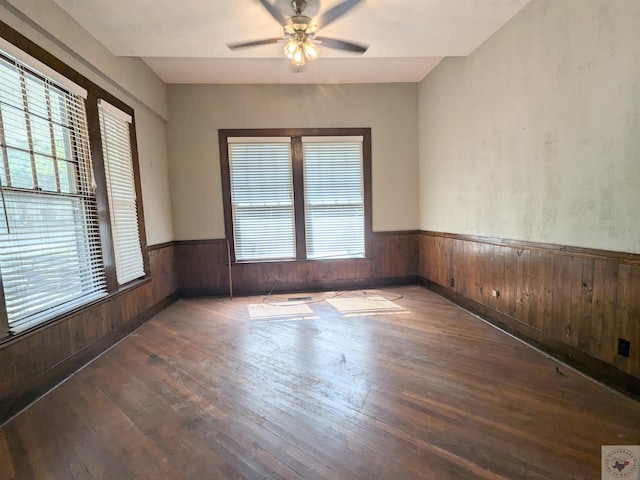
38, 386
299, 287
597, 369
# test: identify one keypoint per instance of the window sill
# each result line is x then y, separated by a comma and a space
133, 285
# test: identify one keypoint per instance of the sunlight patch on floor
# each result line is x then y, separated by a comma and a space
352, 306
280, 311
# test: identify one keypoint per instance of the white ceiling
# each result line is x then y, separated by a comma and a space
184, 41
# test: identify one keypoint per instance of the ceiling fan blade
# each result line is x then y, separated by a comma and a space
255, 43
341, 44
275, 13
336, 12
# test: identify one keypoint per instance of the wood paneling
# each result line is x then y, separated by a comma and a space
203, 268
262, 277
582, 299
34, 362
415, 389
395, 254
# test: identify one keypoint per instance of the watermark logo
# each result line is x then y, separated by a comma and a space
621, 461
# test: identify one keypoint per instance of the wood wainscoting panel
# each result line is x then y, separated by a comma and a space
579, 300
395, 254
34, 362
262, 278
202, 268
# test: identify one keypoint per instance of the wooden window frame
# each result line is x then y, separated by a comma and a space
94, 94
296, 135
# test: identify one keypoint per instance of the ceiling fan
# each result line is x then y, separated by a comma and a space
299, 32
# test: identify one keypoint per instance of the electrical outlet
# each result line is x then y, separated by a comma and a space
624, 347
495, 293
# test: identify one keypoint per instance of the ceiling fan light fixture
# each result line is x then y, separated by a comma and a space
298, 58
311, 50
299, 49
299, 32
290, 48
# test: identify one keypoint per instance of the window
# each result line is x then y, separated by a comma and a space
121, 189
333, 197
56, 248
297, 194
262, 198
49, 241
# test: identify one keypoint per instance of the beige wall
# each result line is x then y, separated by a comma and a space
131, 80
536, 135
154, 176
198, 111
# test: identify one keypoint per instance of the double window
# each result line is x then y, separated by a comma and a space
297, 194
54, 256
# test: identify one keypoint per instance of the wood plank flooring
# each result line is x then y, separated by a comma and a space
385, 384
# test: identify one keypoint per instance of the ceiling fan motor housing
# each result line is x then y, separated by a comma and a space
299, 23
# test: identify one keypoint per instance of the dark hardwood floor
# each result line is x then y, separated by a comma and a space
391, 384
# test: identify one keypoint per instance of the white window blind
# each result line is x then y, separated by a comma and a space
50, 257
334, 197
262, 199
118, 166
